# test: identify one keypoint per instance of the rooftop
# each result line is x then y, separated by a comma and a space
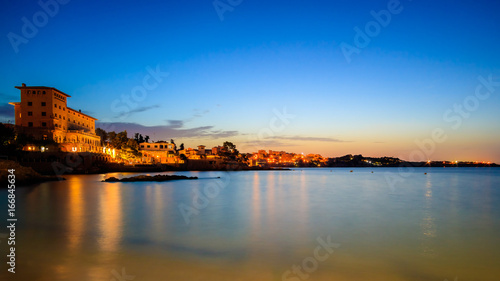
41, 87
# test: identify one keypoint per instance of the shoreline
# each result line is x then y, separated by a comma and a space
26, 175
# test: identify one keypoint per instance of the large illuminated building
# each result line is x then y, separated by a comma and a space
43, 114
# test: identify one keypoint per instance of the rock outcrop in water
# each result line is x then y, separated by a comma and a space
157, 178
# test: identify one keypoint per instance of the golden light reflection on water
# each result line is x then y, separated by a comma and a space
110, 226
110, 218
428, 223
76, 210
256, 205
158, 199
303, 206
270, 204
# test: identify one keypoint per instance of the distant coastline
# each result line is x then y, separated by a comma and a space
31, 174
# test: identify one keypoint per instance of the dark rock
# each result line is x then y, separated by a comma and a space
156, 178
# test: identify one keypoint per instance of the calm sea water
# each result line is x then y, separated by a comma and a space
262, 225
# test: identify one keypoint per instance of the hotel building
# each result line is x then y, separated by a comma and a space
43, 114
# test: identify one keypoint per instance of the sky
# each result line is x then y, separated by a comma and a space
418, 80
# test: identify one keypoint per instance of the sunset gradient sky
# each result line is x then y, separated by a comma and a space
230, 72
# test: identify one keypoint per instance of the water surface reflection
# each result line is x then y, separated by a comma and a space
261, 224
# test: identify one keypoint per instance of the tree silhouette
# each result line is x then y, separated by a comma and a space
173, 142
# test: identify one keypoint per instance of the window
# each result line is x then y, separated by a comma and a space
30, 113
43, 103
43, 92
148, 146
29, 92
55, 105
59, 107
142, 146
161, 145
64, 118
30, 124
156, 146
44, 113
30, 103
44, 124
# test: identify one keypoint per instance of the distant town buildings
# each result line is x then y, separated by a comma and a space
282, 158
164, 153
43, 114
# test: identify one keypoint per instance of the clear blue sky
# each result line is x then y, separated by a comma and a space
229, 72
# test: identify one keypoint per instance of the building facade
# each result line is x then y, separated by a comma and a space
159, 152
43, 114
